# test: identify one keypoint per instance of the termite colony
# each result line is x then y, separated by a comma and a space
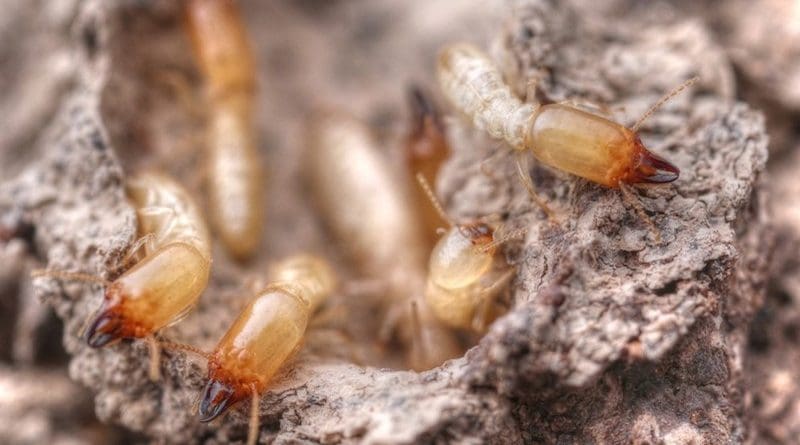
438, 281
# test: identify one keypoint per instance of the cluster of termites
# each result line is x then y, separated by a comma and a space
439, 279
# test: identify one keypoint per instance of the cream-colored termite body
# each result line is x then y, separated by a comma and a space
265, 336
369, 213
235, 174
463, 277
171, 271
560, 136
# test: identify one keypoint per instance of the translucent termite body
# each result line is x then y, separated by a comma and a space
558, 135
460, 264
426, 149
235, 173
172, 270
265, 335
369, 214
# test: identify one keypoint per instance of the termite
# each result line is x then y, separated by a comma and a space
266, 334
173, 257
368, 212
558, 135
461, 263
426, 148
235, 174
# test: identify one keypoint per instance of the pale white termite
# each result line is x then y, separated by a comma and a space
368, 211
235, 174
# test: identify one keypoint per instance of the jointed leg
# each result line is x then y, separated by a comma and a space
526, 180
252, 433
487, 295
155, 358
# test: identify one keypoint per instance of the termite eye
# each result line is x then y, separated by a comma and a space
103, 329
216, 398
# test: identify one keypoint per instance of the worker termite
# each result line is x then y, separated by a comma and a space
235, 174
266, 334
426, 148
459, 266
367, 211
173, 259
558, 135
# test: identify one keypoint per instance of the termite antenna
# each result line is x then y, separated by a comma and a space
167, 344
631, 199
252, 433
677, 90
72, 276
432, 197
514, 234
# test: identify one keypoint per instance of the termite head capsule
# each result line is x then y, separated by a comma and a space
462, 254
110, 323
648, 167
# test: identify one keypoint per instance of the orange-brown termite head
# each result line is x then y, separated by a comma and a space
266, 334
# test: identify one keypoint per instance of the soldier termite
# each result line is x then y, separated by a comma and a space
426, 148
558, 135
235, 174
173, 259
367, 210
266, 334
460, 264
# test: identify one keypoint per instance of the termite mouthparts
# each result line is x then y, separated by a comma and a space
216, 397
649, 167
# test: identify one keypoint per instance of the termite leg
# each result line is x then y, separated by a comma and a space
485, 170
487, 295
155, 358
418, 347
629, 197
522, 171
252, 433
130, 256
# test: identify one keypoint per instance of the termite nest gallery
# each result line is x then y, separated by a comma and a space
435, 283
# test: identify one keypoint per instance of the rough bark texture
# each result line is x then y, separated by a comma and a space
611, 337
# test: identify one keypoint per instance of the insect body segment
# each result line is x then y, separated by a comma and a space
560, 136
235, 174
172, 272
266, 333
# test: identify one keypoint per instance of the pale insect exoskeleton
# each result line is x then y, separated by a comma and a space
367, 210
464, 272
235, 176
265, 336
558, 135
426, 149
173, 260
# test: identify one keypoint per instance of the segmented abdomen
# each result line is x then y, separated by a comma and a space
470, 80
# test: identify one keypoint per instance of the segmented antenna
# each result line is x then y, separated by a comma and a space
75, 276
435, 202
664, 100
